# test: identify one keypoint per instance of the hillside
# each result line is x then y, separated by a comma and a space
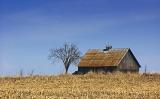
116, 85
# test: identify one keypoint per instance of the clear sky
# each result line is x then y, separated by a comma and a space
29, 28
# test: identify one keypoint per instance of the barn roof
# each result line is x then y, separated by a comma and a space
96, 57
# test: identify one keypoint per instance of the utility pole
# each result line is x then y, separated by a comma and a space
145, 69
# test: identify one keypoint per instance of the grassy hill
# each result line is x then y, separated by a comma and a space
115, 85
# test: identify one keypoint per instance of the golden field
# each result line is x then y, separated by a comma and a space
89, 86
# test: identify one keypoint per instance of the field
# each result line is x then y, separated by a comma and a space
87, 86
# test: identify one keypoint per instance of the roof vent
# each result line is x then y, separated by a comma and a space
108, 47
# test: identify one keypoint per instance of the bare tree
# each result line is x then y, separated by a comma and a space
68, 54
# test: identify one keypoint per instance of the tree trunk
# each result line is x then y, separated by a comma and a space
66, 64
66, 69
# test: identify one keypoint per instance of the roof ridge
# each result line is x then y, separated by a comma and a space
109, 49
119, 48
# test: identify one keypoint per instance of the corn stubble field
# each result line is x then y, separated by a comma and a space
87, 86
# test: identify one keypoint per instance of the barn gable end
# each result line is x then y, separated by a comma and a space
129, 62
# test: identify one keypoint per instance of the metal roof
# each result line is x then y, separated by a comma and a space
97, 58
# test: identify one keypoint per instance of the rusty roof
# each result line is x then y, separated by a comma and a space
96, 57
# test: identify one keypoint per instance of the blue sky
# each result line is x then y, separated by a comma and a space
29, 28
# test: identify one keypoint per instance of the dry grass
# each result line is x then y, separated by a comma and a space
81, 86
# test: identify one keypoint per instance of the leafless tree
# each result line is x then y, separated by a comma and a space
69, 54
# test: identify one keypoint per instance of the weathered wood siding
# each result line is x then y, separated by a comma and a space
84, 69
97, 69
128, 63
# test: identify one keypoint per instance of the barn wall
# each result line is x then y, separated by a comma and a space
110, 68
128, 63
97, 69
84, 69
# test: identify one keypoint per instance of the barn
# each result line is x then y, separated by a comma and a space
108, 60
